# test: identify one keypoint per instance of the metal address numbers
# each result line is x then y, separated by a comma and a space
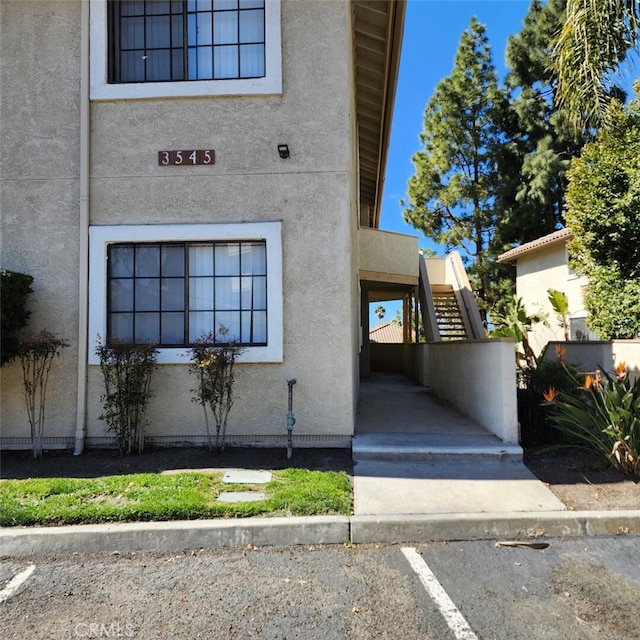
188, 157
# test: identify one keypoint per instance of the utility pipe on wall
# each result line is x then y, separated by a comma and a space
83, 232
290, 418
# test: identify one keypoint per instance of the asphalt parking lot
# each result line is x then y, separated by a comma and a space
574, 589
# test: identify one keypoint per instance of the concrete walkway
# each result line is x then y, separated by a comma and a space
415, 455
422, 472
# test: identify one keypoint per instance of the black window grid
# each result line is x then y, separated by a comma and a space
186, 278
179, 66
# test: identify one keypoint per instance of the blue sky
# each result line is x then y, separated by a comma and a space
432, 32
431, 36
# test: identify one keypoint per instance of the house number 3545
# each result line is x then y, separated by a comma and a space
189, 157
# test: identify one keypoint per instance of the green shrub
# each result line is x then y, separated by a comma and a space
126, 368
535, 428
14, 315
603, 414
213, 358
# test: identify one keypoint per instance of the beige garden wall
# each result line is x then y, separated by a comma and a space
606, 355
311, 194
476, 377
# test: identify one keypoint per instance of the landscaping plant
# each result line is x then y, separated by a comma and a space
560, 305
602, 413
15, 288
36, 353
212, 362
513, 321
127, 369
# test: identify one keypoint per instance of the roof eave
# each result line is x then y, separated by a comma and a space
378, 27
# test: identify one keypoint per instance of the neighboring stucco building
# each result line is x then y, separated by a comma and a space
541, 265
168, 167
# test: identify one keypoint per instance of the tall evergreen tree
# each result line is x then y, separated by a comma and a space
451, 196
543, 140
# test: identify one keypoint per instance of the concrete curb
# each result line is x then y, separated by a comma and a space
183, 534
492, 526
196, 534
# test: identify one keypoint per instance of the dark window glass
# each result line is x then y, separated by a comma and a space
171, 40
173, 293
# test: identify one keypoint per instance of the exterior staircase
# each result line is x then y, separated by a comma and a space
449, 309
448, 315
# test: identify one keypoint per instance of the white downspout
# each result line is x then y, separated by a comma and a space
83, 263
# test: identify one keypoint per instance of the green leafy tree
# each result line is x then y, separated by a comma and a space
542, 140
513, 321
451, 196
380, 311
603, 211
596, 38
560, 305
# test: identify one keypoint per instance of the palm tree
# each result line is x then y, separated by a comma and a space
596, 38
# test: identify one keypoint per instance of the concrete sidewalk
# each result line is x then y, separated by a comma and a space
422, 472
415, 455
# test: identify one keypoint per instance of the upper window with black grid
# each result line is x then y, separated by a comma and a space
186, 40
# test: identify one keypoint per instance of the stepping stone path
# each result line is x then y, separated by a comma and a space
244, 476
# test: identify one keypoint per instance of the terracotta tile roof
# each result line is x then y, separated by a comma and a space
389, 332
561, 235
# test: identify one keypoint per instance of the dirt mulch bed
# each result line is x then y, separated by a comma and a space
583, 482
93, 463
579, 479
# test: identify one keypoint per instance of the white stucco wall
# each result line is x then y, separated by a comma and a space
606, 355
546, 268
312, 194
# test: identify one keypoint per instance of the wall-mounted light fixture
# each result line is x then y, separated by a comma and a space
283, 151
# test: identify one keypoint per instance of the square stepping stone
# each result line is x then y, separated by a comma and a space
241, 496
246, 476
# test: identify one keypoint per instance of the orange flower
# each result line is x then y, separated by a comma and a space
593, 383
621, 371
550, 394
560, 351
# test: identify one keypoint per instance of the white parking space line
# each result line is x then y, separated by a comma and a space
16, 582
455, 620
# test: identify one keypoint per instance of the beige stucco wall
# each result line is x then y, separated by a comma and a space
541, 270
477, 378
606, 355
389, 253
39, 151
312, 193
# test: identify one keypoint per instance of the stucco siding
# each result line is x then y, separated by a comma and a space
542, 270
312, 194
39, 147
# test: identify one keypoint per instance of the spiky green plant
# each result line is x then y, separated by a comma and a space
603, 413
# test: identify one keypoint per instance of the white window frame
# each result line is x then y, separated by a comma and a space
100, 237
271, 84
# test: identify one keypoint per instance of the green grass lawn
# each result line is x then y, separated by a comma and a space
152, 496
